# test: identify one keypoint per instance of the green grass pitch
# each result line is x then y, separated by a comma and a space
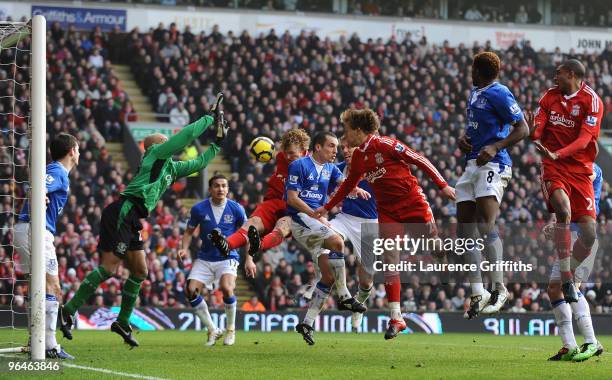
182, 355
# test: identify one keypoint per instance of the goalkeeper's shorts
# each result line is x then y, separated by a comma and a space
120, 234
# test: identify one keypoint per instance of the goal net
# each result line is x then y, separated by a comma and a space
22, 173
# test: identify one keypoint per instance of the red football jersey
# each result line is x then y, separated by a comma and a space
385, 163
276, 182
562, 120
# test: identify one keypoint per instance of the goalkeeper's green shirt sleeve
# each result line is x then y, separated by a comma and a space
178, 142
184, 168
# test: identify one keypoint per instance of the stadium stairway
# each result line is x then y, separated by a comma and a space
115, 150
139, 100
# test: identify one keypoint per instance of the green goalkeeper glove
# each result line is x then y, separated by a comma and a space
221, 127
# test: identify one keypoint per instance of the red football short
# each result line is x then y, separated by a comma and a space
416, 217
270, 212
577, 186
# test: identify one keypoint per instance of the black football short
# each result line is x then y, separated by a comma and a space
120, 236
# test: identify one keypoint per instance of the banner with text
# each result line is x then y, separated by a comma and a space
83, 18
150, 318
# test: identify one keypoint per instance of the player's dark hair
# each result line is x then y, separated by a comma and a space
61, 146
488, 65
364, 119
320, 138
216, 177
575, 66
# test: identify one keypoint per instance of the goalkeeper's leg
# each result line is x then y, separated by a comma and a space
136, 264
108, 265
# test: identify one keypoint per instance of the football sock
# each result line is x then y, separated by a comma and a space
51, 307
271, 240
129, 295
393, 288
582, 316
472, 257
562, 246
563, 318
396, 312
319, 297
313, 285
201, 310
363, 294
336, 262
495, 250
87, 288
237, 239
230, 312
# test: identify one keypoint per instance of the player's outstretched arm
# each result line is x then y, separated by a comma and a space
356, 192
185, 168
409, 156
191, 132
186, 136
349, 183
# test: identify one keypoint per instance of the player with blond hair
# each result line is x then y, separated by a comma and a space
269, 224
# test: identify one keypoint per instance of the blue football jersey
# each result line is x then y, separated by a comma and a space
597, 184
232, 219
491, 111
58, 187
355, 206
312, 186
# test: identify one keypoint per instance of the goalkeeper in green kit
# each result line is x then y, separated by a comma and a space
120, 225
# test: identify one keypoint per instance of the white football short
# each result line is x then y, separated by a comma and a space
361, 233
21, 241
209, 272
482, 181
311, 233
583, 270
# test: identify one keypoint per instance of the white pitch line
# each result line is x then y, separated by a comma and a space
108, 371
490, 346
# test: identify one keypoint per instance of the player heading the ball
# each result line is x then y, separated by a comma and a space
269, 224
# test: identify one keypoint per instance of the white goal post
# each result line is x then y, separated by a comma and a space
11, 33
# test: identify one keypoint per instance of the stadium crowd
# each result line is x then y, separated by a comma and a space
273, 83
596, 14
